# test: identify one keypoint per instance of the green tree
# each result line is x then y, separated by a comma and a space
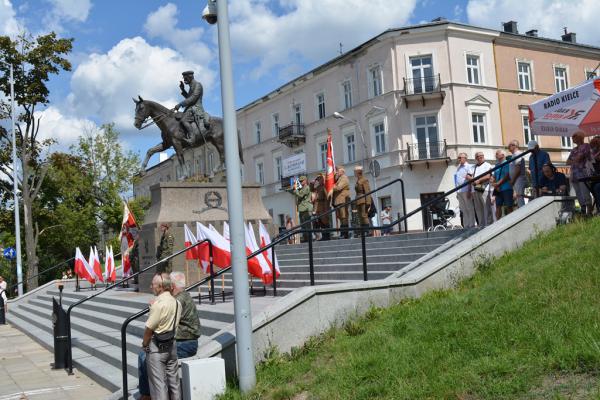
34, 61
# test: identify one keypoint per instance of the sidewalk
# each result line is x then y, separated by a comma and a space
25, 372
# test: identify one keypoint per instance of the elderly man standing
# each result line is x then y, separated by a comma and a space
481, 191
341, 194
464, 195
537, 160
188, 330
518, 178
159, 341
362, 187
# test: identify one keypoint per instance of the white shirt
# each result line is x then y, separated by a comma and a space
460, 176
480, 169
516, 165
385, 217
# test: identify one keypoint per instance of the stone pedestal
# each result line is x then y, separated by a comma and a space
180, 203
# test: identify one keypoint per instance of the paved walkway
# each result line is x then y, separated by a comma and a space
25, 372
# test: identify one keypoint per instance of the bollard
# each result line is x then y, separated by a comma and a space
59, 322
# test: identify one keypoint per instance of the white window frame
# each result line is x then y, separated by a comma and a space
345, 134
557, 79
566, 142
530, 75
371, 82
259, 170
257, 131
318, 105
277, 167
480, 125
300, 112
321, 155
477, 69
438, 123
346, 100
525, 117
386, 142
275, 124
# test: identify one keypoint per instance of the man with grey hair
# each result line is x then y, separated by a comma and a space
159, 342
464, 172
188, 330
481, 191
518, 177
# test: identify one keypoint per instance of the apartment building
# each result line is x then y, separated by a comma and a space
530, 68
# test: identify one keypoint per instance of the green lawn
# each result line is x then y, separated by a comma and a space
526, 326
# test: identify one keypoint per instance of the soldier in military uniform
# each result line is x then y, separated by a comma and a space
341, 195
194, 117
363, 204
304, 205
165, 249
321, 206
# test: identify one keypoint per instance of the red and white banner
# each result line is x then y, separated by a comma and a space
82, 267
203, 251
125, 260
265, 240
330, 171
109, 265
190, 239
129, 227
97, 266
225, 230
265, 273
576, 109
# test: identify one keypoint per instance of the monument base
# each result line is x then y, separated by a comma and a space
180, 203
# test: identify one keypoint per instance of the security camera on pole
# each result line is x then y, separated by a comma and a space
243, 320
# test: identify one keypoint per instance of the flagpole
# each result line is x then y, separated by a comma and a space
15, 185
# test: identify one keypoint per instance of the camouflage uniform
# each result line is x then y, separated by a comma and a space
165, 249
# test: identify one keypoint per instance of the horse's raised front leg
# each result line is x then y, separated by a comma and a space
151, 151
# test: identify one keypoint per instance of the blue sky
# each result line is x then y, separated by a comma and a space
273, 41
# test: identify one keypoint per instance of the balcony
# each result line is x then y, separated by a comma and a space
426, 153
292, 135
423, 89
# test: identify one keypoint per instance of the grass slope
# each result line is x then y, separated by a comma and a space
526, 326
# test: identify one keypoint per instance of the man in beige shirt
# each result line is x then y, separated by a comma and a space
161, 359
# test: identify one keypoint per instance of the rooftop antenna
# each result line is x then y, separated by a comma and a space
565, 29
341, 48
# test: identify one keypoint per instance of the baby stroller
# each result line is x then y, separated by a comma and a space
440, 216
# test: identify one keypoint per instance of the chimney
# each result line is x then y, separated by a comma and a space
439, 19
532, 33
570, 37
510, 27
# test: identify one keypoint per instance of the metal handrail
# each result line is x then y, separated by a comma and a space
38, 274
69, 310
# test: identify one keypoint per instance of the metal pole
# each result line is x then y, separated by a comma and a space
15, 185
364, 252
243, 320
311, 265
274, 271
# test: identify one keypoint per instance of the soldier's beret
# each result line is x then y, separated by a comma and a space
187, 73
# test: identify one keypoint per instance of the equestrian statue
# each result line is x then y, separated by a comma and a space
191, 128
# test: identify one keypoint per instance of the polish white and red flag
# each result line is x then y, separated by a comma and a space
265, 240
330, 171
82, 267
203, 250
225, 230
265, 269
190, 240
129, 227
109, 265
97, 266
125, 260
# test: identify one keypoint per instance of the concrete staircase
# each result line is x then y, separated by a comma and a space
96, 324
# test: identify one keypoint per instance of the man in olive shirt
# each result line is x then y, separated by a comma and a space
188, 330
161, 380
363, 204
341, 194
304, 205
165, 248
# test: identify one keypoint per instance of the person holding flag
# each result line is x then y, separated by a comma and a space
129, 243
322, 206
305, 207
341, 195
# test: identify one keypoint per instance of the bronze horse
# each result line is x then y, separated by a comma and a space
172, 133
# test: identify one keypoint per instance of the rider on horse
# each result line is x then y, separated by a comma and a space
193, 113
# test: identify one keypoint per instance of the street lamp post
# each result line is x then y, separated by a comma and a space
216, 12
16, 186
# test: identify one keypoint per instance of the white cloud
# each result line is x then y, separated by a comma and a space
65, 130
309, 29
103, 84
9, 25
162, 24
547, 16
66, 11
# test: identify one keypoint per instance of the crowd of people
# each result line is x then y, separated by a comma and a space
492, 196
313, 200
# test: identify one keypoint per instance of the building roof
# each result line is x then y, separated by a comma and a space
375, 39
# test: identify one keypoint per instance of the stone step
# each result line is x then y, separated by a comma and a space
324, 259
357, 251
333, 245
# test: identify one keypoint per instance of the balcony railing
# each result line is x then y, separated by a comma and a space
292, 135
423, 85
427, 151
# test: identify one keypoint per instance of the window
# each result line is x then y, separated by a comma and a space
346, 95
320, 105
560, 78
275, 124
473, 69
428, 144
478, 124
423, 79
379, 133
260, 172
590, 74
524, 74
375, 81
350, 148
297, 114
211, 162
527, 136
257, 131
281, 219
323, 155
566, 142
278, 170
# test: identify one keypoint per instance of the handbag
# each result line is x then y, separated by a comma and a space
164, 340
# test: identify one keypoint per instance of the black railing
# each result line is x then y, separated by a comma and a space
11, 288
423, 85
424, 150
70, 309
292, 134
